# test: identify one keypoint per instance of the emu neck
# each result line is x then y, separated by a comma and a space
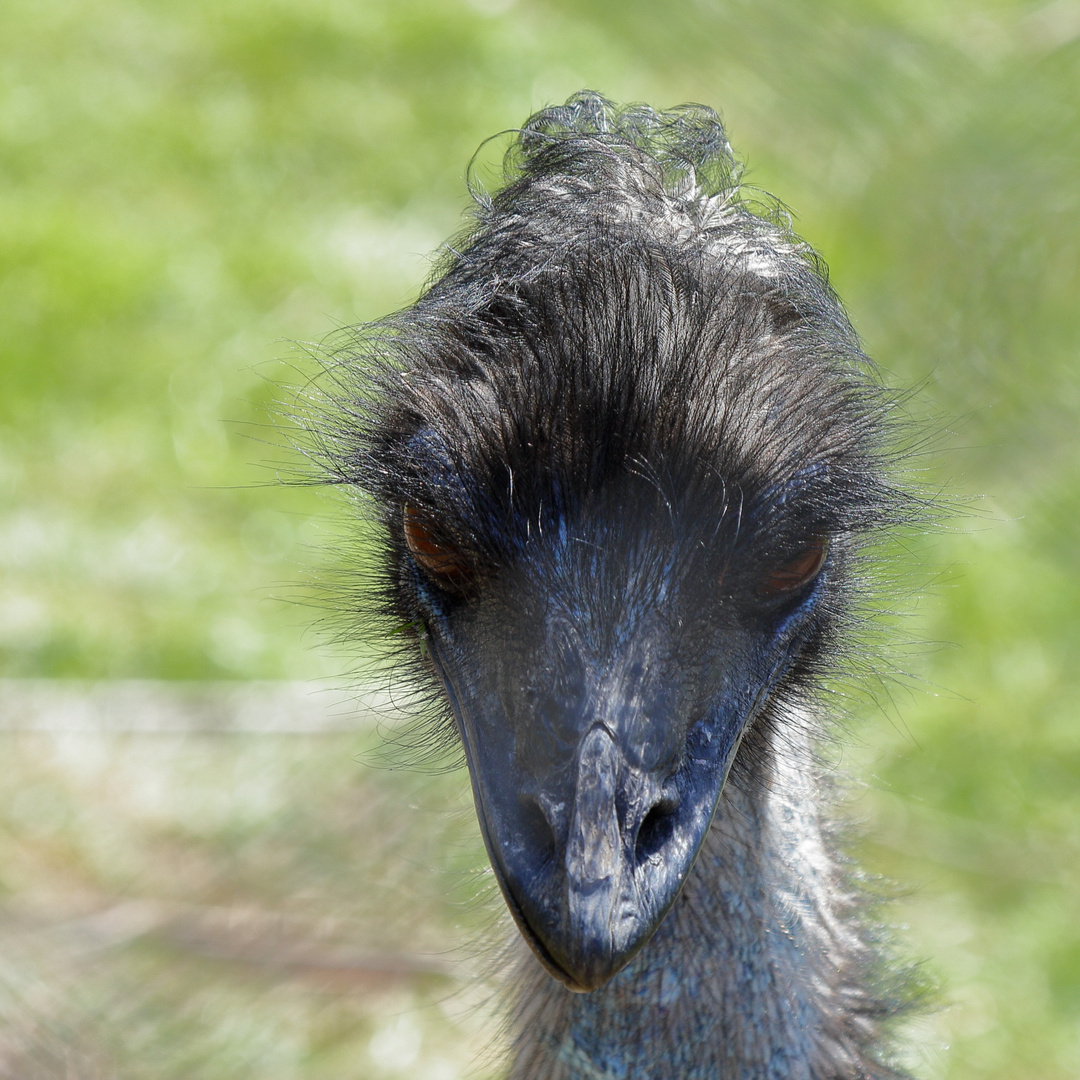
753, 975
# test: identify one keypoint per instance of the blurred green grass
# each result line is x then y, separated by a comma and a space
187, 190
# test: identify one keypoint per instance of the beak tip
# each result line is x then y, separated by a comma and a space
585, 949
585, 975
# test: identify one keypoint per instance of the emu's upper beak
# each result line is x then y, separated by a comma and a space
593, 824
609, 909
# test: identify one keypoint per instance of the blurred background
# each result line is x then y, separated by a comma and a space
200, 875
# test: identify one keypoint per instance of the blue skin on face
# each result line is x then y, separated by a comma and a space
601, 689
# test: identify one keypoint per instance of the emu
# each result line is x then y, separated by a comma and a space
626, 456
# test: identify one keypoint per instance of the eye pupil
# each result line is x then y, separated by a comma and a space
441, 561
798, 571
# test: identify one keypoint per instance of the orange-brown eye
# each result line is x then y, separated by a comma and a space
798, 571
441, 561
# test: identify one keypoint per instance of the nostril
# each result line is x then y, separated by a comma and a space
538, 831
656, 829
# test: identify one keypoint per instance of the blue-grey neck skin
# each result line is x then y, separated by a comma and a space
758, 972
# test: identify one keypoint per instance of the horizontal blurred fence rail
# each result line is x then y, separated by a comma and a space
160, 707
240, 934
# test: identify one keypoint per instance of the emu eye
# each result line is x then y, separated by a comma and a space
797, 572
442, 562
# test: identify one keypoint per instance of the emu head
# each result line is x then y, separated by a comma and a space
623, 450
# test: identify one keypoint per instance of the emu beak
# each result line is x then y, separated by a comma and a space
590, 847
606, 916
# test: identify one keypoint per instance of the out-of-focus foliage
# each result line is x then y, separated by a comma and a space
188, 189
